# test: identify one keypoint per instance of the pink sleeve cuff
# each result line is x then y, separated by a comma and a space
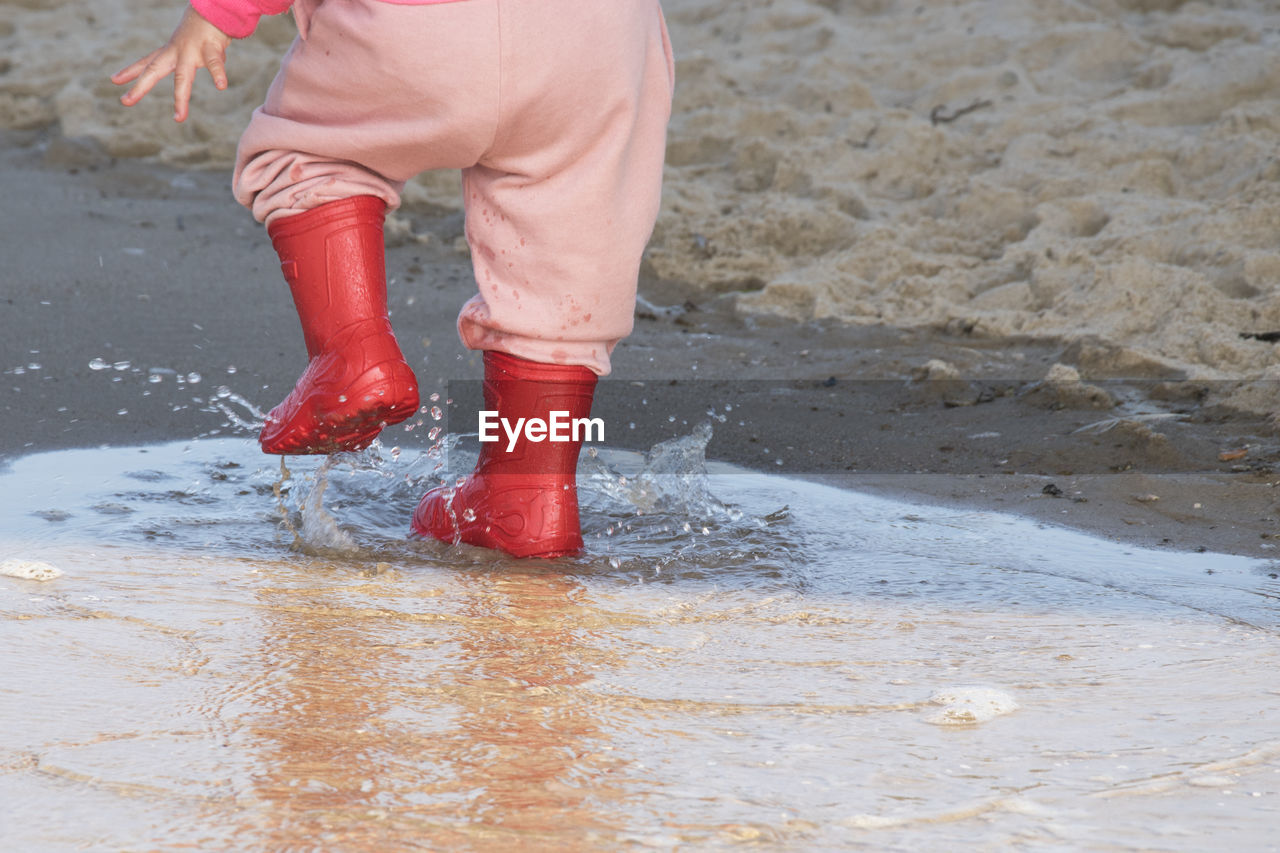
238, 18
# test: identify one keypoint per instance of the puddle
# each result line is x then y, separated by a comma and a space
236, 658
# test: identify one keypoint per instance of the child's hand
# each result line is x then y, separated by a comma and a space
195, 44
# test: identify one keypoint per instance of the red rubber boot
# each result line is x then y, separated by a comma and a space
523, 501
358, 381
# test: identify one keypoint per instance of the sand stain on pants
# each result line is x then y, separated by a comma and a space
554, 110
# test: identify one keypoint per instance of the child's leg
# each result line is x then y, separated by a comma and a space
376, 94
559, 209
351, 116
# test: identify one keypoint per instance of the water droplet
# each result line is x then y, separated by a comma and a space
223, 392
436, 414
122, 365
122, 411
395, 453
671, 419
342, 398
616, 562
468, 514
33, 366
193, 378
460, 481
98, 364
231, 369
18, 371
435, 398
631, 425
154, 378
433, 433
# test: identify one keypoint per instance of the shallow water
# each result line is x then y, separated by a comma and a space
236, 658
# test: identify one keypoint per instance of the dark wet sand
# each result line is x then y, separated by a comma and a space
134, 262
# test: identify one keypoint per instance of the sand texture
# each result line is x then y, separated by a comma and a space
1114, 178
1094, 170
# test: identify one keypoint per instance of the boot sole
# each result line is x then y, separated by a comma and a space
357, 430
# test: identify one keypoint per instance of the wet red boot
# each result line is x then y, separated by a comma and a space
358, 381
525, 500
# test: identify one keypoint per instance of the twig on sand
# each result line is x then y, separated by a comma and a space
1265, 337
938, 116
1099, 427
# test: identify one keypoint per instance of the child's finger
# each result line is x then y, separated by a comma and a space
182, 91
152, 74
214, 62
131, 72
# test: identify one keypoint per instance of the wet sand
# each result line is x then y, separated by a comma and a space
152, 274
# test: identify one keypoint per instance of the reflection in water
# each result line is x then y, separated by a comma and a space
804, 668
525, 740
363, 730
318, 696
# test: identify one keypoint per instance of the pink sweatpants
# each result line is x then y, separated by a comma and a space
554, 110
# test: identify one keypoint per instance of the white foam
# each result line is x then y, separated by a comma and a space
965, 706
32, 570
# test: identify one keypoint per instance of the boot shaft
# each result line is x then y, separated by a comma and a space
518, 389
333, 258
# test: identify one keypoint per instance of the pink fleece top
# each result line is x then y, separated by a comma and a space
239, 18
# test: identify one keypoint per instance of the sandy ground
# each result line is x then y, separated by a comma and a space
894, 238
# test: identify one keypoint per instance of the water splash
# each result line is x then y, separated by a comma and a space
223, 400
672, 480
320, 530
